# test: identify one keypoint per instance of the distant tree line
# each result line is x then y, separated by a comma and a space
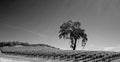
18, 43
13, 43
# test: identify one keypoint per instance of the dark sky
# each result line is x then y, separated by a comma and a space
38, 21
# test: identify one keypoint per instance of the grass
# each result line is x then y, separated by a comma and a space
62, 55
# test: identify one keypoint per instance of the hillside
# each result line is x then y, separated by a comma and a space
62, 55
43, 45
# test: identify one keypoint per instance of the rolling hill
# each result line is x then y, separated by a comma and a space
52, 53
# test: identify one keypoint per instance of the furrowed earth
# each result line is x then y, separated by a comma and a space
50, 54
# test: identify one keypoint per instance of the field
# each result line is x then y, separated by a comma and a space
45, 54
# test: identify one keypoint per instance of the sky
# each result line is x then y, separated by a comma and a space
38, 21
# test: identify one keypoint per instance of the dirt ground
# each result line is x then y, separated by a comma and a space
13, 58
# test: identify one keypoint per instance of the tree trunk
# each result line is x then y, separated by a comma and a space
75, 44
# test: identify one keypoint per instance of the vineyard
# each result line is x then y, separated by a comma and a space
66, 55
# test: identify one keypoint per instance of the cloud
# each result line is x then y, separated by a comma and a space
109, 48
112, 49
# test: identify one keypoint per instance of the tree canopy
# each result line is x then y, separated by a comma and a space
72, 30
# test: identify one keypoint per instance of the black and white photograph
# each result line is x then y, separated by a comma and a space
59, 30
